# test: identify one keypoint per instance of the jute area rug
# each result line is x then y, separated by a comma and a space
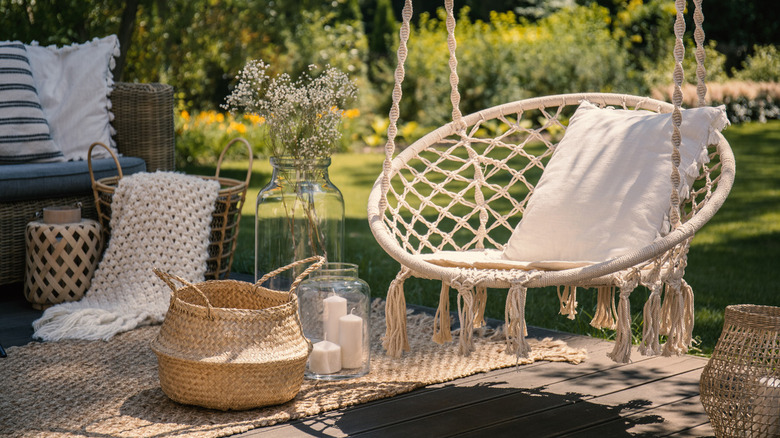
111, 389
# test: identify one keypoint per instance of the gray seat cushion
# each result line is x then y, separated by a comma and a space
23, 182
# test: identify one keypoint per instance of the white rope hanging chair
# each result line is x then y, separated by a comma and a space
444, 207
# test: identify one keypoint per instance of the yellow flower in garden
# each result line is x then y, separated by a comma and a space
254, 118
236, 126
220, 117
206, 117
352, 113
185, 115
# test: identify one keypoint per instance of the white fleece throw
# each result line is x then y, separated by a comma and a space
159, 220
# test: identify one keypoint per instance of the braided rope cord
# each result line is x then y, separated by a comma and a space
453, 64
677, 97
698, 36
392, 129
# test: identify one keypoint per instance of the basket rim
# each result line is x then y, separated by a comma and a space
233, 313
756, 316
109, 184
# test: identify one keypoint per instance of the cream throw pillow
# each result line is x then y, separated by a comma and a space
74, 83
606, 189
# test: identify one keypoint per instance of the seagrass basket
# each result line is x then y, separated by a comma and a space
740, 385
232, 345
224, 221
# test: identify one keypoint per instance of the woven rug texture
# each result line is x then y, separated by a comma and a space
111, 388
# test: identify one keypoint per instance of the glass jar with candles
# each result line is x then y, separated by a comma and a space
335, 308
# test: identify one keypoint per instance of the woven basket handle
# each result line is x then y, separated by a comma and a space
169, 280
222, 156
318, 262
89, 161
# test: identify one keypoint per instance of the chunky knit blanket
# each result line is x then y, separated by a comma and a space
159, 220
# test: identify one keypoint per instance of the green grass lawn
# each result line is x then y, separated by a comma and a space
733, 259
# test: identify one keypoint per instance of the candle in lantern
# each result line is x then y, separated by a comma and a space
351, 341
334, 308
325, 358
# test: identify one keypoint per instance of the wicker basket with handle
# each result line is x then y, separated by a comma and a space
224, 222
227, 344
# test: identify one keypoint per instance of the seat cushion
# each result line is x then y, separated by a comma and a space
21, 182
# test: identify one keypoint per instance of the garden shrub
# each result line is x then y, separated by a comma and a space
762, 66
510, 58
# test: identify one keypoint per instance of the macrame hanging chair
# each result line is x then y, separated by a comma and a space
444, 206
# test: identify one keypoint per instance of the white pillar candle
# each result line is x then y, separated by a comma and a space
334, 308
351, 341
325, 358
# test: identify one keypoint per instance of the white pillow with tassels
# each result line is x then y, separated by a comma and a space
74, 84
605, 191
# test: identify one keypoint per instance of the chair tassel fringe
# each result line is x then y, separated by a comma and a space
680, 320
568, 300
396, 341
516, 329
605, 309
466, 317
441, 322
651, 331
480, 301
622, 351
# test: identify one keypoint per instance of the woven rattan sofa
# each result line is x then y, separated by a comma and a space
143, 120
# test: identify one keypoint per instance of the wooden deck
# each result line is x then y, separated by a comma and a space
651, 397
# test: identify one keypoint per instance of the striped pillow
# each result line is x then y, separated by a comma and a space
24, 130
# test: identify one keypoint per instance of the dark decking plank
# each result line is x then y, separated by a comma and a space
683, 418
442, 397
639, 404
543, 410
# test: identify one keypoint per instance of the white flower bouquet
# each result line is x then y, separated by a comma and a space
303, 116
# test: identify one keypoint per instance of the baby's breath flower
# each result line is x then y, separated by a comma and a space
303, 116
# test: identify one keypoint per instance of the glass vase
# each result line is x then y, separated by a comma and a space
299, 214
335, 307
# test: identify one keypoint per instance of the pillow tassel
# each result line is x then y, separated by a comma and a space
442, 322
396, 340
605, 309
516, 329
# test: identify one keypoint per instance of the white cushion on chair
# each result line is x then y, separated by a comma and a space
606, 189
74, 83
